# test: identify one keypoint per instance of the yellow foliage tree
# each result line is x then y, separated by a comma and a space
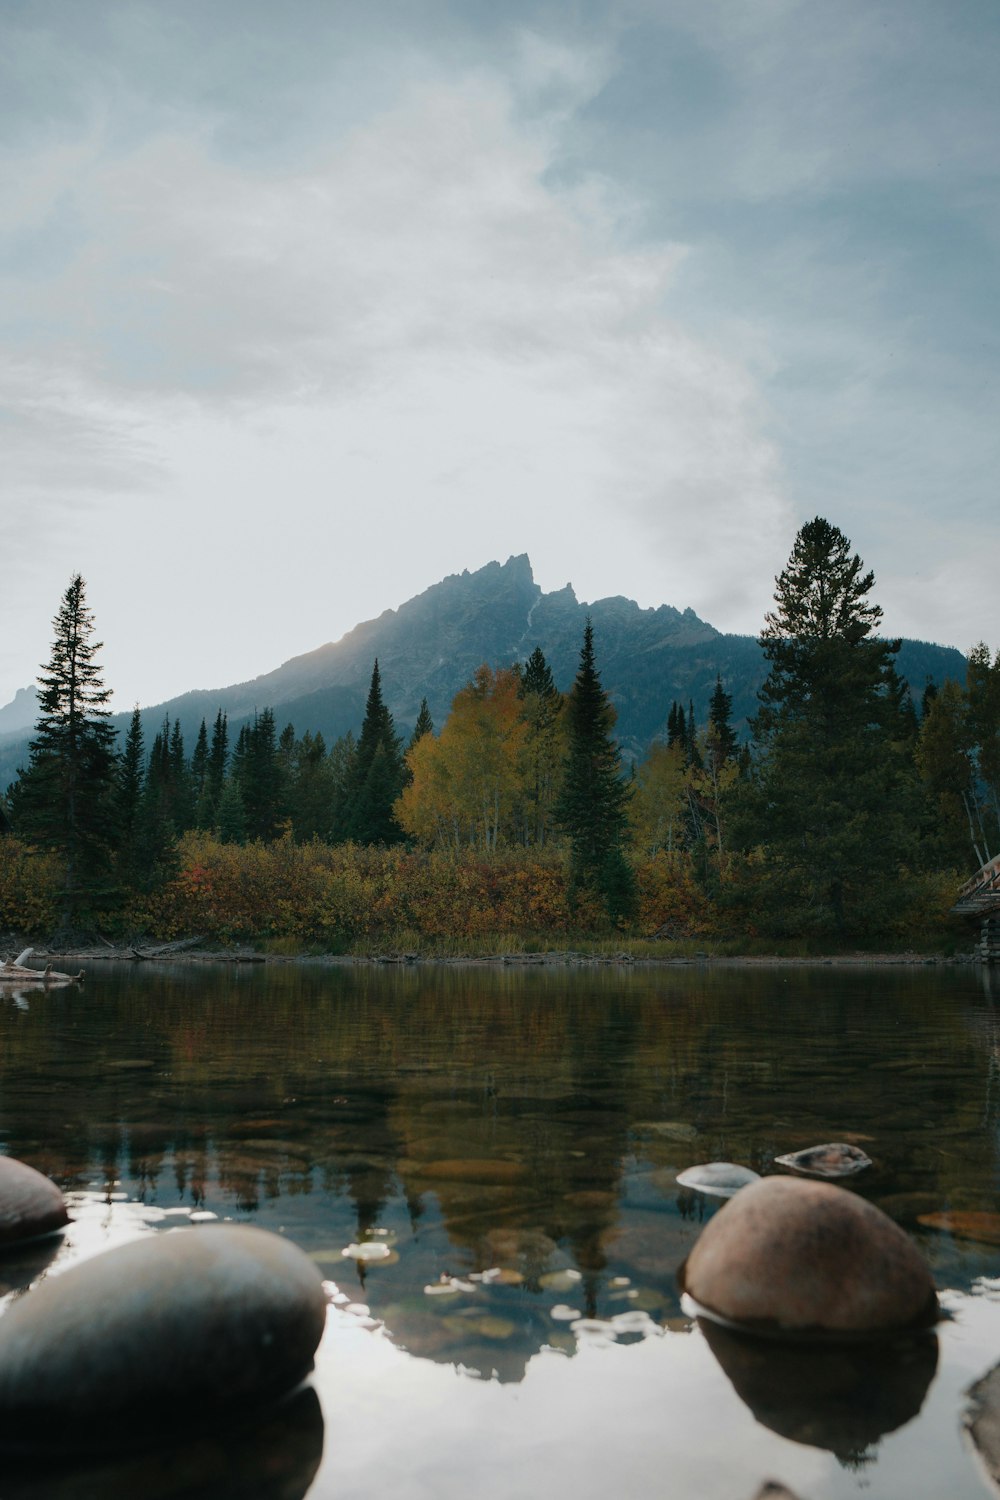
659, 807
467, 785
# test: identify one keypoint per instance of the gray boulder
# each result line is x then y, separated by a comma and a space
788, 1256
30, 1205
718, 1179
189, 1323
833, 1159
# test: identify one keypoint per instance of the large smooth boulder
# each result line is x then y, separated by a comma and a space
790, 1256
30, 1205
188, 1323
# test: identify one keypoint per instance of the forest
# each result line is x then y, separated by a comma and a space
849, 815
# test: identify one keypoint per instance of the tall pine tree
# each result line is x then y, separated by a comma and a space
65, 799
376, 777
831, 796
593, 804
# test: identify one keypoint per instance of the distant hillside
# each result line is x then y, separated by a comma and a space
20, 713
430, 646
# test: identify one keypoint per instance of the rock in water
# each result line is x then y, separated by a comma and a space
788, 1256
719, 1179
187, 1323
835, 1159
30, 1205
982, 1423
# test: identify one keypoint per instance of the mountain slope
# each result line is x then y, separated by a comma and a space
430, 646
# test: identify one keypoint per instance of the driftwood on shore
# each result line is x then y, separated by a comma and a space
17, 972
145, 952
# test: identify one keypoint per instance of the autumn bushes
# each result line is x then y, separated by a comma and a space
31, 885
347, 896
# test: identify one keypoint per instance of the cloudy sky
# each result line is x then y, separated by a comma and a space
304, 306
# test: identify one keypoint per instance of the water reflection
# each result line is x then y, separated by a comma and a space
274, 1456
842, 1397
518, 1134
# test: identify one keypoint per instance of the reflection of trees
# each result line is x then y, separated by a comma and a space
549, 1106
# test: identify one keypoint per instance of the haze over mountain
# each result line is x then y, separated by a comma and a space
431, 645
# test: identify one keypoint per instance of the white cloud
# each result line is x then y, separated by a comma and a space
287, 400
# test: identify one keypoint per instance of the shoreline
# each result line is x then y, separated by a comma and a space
570, 958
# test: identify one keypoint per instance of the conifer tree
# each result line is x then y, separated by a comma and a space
831, 795
424, 724
198, 780
218, 759
593, 803
130, 778
231, 818
311, 788
377, 775
260, 778
64, 800
722, 743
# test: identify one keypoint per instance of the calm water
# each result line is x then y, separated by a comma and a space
511, 1138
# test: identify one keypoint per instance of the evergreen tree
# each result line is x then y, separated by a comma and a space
953, 835
218, 759
424, 724
831, 795
260, 778
593, 803
722, 743
377, 775
65, 799
198, 780
181, 800
130, 778
311, 789
340, 762
231, 818
692, 753
156, 843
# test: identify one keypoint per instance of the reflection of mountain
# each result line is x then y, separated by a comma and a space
528, 1123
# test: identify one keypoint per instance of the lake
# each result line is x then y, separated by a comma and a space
508, 1140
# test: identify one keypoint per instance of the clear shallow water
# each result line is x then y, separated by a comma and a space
512, 1139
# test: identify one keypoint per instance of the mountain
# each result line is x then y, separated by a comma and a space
431, 645
20, 713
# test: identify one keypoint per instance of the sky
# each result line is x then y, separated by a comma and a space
304, 307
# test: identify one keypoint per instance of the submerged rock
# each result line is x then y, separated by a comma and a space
970, 1224
719, 1179
834, 1159
182, 1324
30, 1205
788, 1256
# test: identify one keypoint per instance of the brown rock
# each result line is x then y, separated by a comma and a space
791, 1256
30, 1205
